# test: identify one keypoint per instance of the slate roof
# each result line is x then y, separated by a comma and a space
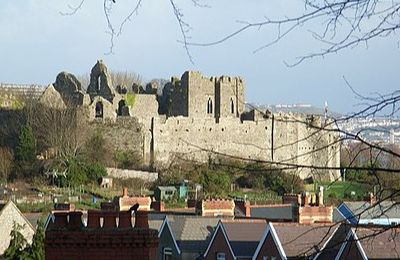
379, 242
382, 210
332, 246
192, 233
33, 218
273, 212
166, 188
244, 236
303, 240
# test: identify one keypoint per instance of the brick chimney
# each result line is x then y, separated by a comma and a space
67, 238
244, 206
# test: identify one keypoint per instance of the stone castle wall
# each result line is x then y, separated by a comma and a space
123, 134
196, 139
289, 141
205, 118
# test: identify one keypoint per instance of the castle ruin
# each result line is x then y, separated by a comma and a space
198, 118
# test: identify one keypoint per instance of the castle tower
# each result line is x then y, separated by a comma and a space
229, 96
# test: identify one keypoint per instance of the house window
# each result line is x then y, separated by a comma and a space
209, 106
167, 253
220, 256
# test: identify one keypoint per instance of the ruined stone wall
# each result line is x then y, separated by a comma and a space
144, 106
229, 97
128, 174
196, 139
125, 133
177, 97
284, 139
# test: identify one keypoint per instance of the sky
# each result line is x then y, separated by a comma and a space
37, 42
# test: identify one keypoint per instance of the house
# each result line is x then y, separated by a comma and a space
183, 236
235, 239
256, 239
167, 247
10, 214
370, 243
362, 212
301, 241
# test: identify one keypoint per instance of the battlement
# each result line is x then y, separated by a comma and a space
228, 79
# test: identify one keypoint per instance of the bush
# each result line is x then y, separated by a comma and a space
127, 159
258, 176
95, 150
79, 171
26, 147
216, 181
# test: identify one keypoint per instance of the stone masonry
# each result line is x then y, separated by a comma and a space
205, 118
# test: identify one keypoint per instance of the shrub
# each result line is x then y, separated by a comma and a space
79, 171
216, 181
127, 159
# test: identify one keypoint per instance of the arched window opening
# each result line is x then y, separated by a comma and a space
98, 83
209, 106
123, 109
99, 110
232, 106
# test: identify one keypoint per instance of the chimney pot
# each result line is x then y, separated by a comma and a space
109, 219
93, 219
125, 219
125, 192
75, 220
60, 219
141, 219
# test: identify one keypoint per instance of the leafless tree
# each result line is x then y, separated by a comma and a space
344, 24
118, 78
61, 131
6, 159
